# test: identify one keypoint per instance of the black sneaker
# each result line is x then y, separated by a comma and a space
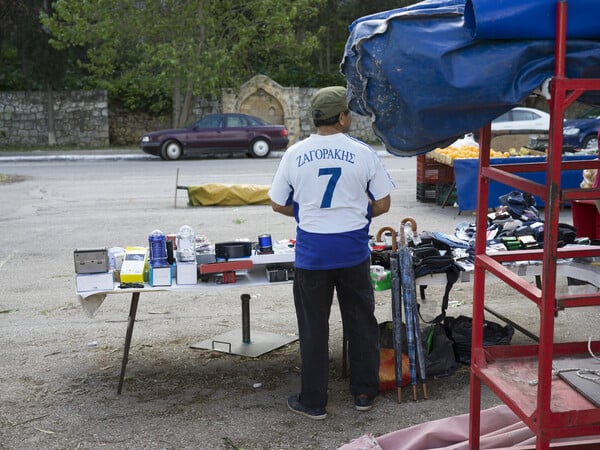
363, 402
312, 413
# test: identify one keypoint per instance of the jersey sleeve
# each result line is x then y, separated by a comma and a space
281, 189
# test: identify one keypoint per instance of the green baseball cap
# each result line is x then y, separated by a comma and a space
329, 102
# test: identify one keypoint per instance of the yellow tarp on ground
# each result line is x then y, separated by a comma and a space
212, 194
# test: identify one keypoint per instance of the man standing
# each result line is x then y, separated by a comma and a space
333, 185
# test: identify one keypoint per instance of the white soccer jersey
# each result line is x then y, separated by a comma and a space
328, 179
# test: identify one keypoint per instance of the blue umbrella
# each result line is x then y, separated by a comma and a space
409, 297
419, 342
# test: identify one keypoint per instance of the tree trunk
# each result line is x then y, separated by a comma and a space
176, 105
186, 107
182, 107
51, 122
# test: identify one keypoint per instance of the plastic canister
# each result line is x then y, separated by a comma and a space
265, 244
186, 240
158, 249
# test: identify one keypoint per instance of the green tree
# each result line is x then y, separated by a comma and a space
28, 61
179, 48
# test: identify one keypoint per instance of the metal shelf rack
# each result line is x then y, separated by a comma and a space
548, 405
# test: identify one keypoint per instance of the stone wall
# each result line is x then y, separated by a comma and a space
84, 117
126, 128
80, 118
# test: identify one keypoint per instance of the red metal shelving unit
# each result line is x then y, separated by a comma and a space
548, 405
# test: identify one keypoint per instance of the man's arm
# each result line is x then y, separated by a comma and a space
285, 210
380, 206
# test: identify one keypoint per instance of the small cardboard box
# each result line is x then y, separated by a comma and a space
134, 265
86, 282
160, 276
187, 272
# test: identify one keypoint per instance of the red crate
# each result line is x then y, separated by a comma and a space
432, 172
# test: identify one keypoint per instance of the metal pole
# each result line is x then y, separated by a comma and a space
245, 318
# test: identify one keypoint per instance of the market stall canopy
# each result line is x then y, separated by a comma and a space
431, 72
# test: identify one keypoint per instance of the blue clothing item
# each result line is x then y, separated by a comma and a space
315, 251
313, 297
450, 241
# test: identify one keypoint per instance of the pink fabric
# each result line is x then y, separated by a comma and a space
500, 428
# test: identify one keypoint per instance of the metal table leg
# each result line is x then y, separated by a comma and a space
245, 318
131, 321
240, 342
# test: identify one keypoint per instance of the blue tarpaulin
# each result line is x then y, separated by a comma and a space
531, 19
466, 173
426, 78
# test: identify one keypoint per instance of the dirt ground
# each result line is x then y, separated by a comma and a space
60, 367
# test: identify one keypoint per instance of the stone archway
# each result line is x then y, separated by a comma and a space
262, 97
263, 105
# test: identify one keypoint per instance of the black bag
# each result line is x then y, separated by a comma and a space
438, 348
438, 264
440, 359
459, 330
421, 252
381, 258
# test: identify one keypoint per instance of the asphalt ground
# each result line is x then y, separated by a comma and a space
60, 367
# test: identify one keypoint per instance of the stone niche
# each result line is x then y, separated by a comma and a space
264, 98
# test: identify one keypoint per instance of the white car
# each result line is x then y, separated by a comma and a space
522, 120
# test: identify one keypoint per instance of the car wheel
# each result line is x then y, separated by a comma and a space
260, 148
171, 151
590, 142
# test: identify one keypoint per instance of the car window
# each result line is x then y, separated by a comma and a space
524, 115
255, 121
212, 121
502, 118
234, 121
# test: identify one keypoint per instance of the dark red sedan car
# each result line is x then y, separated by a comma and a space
217, 133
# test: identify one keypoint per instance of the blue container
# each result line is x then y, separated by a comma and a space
158, 249
265, 244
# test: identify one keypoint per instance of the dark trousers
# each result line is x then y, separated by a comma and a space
313, 296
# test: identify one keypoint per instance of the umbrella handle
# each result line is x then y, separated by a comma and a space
413, 225
394, 234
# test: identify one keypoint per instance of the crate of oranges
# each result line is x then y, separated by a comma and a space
449, 154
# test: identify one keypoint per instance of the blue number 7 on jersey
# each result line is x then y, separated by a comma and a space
336, 173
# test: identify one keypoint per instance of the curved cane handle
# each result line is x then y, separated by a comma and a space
394, 234
413, 225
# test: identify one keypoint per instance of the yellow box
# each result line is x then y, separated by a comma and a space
134, 265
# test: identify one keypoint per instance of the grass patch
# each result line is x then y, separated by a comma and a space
5, 179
